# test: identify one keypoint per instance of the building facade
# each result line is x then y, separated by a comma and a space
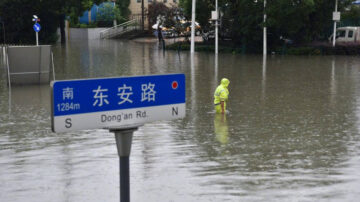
135, 5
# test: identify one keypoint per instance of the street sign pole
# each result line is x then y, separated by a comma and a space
123, 139
192, 45
36, 28
335, 20
37, 39
265, 31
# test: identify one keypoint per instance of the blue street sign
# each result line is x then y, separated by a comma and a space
37, 27
115, 102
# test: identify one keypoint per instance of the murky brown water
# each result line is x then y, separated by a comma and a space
292, 132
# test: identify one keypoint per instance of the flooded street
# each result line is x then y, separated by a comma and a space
292, 132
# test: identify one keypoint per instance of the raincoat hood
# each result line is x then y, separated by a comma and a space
225, 82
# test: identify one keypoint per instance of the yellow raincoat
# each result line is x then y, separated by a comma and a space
221, 95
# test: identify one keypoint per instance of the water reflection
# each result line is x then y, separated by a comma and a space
221, 128
263, 80
2, 57
332, 83
29, 114
192, 81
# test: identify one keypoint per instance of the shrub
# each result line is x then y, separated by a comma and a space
325, 49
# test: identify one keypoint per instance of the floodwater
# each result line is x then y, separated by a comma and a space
292, 132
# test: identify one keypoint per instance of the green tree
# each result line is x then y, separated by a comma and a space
157, 11
246, 23
107, 13
351, 17
17, 15
290, 19
203, 10
123, 5
302, 21
62, 8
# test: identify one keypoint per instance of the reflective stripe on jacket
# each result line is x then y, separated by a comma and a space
221, 94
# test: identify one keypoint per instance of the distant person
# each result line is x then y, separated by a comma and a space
221, 96
160, 36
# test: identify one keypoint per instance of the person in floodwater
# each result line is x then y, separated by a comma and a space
160, 36
221, 96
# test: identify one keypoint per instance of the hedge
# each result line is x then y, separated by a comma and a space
323, 49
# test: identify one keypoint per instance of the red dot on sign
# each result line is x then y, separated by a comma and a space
174, 84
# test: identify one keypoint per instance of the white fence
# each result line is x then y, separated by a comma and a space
120, 29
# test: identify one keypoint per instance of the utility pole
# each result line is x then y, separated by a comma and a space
216, 28
192, 47
335, 18
265, 31
36, 27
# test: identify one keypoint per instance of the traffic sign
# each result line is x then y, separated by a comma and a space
116, 102
37, 27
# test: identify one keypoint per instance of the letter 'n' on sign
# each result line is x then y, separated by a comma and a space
175, 111
116, 102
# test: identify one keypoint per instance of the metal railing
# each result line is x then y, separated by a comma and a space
138, 17
120, 29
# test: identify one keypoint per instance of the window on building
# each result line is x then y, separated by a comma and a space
149, 1
165, 1
174, 1
138, 1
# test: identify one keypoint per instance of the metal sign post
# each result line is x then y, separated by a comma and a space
120, 105
265, 31
336, 18
215, 17
37, 38
192, 46
36, 28
123, 139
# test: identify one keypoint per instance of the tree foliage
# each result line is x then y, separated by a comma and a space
352, 17
124, 8
107, 14
169, 17
17, 17
301, 21
157, 11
